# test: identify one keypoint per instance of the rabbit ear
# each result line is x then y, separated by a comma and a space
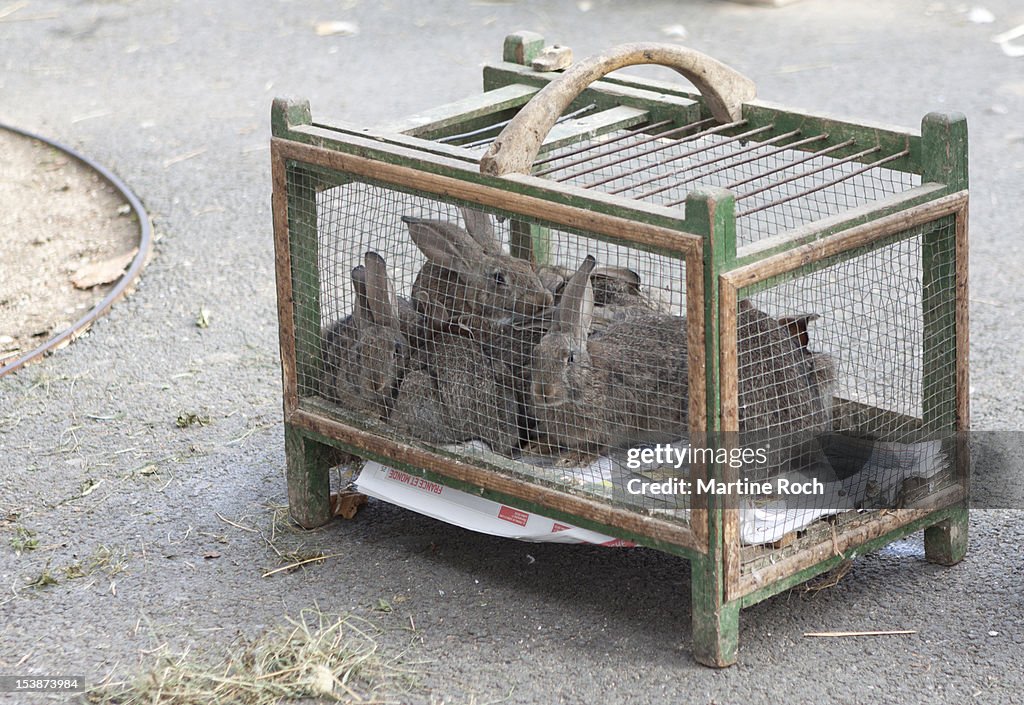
378, 291
797, 326
361, 310
443, 243
481, 228
575, 311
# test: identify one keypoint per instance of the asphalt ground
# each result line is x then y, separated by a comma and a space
175, 97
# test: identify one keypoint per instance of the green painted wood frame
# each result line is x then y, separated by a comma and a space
307, 155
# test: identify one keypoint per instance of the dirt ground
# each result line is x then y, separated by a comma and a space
65, 233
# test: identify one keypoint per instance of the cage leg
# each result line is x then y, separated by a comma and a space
716, 622
945, 543
309, 482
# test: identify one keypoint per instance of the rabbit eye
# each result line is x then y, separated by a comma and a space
499, 278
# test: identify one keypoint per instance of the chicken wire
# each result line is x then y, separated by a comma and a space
470, 372
453, 373
855, 404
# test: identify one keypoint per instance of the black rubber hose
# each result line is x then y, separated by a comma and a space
145, 244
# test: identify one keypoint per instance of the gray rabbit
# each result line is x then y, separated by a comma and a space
464, 277
623, 385
453, 393
365, 354
628, 383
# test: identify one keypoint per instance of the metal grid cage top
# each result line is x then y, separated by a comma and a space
782, 178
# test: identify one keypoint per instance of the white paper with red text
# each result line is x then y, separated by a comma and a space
470, 511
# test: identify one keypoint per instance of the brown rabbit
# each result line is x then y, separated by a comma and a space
462, 277
628, 383
365, 353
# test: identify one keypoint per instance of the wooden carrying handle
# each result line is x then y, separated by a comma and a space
723, 89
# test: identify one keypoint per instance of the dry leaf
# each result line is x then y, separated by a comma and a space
105, 272
203, 319
346, 504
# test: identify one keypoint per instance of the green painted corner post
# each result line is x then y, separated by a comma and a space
711, 212
309, 481
526, 240
522, 47
286, 114
943, 160
308, 460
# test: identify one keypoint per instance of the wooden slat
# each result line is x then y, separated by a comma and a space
341, 129
589, 126
479, 475
589, 213
283, 272
801, 566
963, 334
794, 259
728, 375
463, 111
697, 374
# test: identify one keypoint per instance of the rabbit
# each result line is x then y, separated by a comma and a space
366, 352
618, 294
470, 282
628, 383
453, 393
464, 277
622, 385
785, 390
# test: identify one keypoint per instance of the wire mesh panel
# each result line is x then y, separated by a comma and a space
836, 366
427, 330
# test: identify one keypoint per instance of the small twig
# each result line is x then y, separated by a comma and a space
832, 579
184, 157
11, 9
890, 632
237, 526
292, 566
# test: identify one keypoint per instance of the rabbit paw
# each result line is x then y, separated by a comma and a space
576, 459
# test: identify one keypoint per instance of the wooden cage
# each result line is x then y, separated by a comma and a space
712, 200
